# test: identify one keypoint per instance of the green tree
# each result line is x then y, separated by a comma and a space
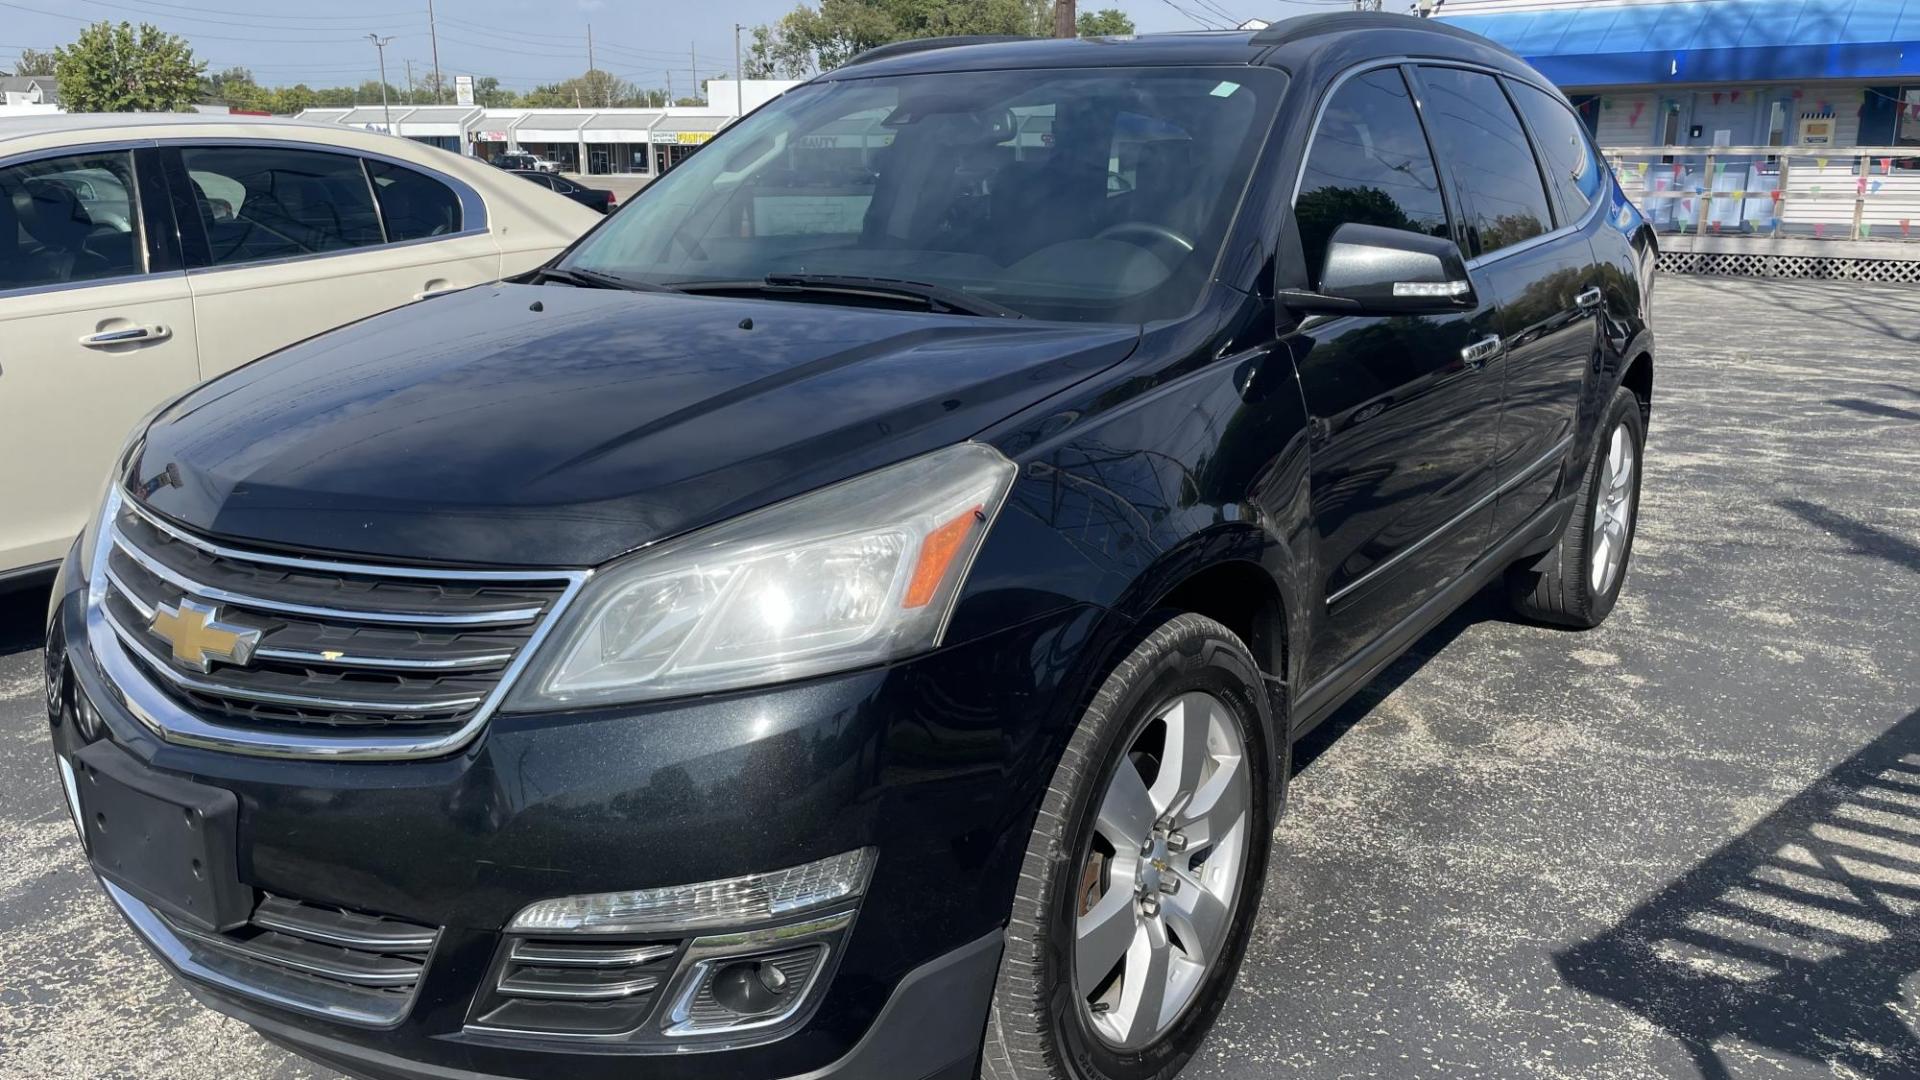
1107, 22
34, 62
810, 39
114, 68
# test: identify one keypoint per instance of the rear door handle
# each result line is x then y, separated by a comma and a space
1477, 354
1590, 299
126, 336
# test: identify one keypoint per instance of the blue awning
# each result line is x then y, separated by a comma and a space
1703, 41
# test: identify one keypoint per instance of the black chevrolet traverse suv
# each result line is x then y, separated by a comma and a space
847, 617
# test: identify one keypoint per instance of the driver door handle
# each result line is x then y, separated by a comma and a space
1477, 354
126, 336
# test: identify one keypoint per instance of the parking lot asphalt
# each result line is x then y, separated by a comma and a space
1686, 844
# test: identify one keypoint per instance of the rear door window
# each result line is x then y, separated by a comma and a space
1480, 138
1369, 164
1572, 167
271, 202
413, 205
69, 219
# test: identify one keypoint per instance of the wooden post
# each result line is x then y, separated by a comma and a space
1860, 196
1780, 204
1706, 201
1064, 20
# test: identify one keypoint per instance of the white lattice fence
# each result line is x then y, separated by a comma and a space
1734, 264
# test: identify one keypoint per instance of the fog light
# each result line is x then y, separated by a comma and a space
753, 987
736, 901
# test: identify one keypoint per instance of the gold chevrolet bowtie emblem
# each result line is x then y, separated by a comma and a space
199, 638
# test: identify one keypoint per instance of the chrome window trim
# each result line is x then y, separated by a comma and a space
128, 146
473, 206
91, 283
1551, 457
167, 720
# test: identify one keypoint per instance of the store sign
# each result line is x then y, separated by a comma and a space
493, 136
681, 138
463, 90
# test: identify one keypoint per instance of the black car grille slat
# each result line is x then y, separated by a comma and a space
336, 649
379, 598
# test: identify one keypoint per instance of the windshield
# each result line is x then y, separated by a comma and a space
1061, 194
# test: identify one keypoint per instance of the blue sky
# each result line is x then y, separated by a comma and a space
521, 42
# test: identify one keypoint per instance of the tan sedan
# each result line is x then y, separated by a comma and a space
142, 254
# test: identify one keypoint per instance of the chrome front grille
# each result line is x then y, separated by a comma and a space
339, 657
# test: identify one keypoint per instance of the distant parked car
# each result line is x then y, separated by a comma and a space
140, 255
593, 198
517, 160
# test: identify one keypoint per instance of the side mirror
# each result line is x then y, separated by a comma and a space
1372, 270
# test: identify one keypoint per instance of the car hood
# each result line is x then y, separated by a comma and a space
555, 426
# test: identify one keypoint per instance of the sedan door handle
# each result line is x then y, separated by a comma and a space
1477, 354
126, 336
1592, 298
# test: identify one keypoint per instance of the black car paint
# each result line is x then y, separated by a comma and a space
1228, 448
592, 198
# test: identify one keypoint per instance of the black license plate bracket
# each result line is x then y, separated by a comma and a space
170, 842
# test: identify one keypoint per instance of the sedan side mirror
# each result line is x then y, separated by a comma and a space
1370, 270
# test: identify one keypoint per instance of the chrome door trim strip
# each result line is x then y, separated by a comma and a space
1550, 457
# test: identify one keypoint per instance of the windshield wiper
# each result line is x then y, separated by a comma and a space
594, 279
938, 298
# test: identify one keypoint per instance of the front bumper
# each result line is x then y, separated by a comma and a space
936, 763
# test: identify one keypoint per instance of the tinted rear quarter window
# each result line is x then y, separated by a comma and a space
270, 202
1369, 163
1572, 166
1479, 137
413, 205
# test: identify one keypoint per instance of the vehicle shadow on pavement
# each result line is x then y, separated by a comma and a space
23, 615
1799, 937
1489, 605
1866, 539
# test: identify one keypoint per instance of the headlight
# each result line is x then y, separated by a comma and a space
855, 574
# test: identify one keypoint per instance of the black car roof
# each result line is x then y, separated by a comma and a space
1286, 43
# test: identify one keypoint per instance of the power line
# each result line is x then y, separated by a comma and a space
197, 36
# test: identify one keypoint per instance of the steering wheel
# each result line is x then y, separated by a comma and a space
1152, 232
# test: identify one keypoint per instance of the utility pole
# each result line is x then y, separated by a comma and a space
1064, 22
409, 82
739, 75
433, 34
669, 88
380, 46
693, 68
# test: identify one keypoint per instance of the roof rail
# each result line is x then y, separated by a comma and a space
1306, 26
914, 45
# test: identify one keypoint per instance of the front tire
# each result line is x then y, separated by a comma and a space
1577, 583
1144, 871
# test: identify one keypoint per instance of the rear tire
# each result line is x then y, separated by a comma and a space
1577, 583
1176, 725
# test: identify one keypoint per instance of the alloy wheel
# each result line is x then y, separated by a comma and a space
1613, 510
1163, 871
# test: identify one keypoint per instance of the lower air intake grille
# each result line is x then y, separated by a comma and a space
363, 967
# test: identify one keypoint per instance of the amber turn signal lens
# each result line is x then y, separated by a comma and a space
937, 554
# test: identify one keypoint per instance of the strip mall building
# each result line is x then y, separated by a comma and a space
592, 141
1742, 126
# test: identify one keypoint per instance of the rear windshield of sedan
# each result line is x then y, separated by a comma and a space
1091, 194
